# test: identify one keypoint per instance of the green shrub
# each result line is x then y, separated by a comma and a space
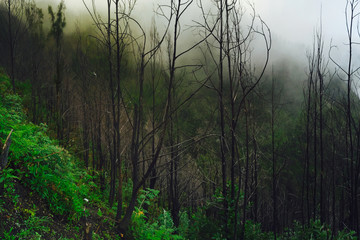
184, 225
43, 165
161, 229
5, 84
8, 235
253, 231
315, 230
34, 227
346, 235
203, 227
7, 178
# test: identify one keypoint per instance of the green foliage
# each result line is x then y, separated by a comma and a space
203, 227
34, 226
161, 229
99, 213
42, 165
13, 105
253, 231
7, 178
58, 22
184, 225
346, 235
7, 175
5, 85
8, 235
315, 230
208, 221
146, 196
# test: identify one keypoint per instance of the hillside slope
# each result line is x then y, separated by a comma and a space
47, 193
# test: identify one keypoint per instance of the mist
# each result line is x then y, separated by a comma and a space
292, 23
293, 26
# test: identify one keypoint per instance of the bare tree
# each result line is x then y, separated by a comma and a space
58, 24
34, 20
351, 17
232, 41
274, 166
321, 71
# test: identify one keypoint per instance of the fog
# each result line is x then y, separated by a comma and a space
295, 21
292, 23
289, 20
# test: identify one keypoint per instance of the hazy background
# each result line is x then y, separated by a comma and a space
292, 22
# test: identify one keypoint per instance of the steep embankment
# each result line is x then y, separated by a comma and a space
46, 193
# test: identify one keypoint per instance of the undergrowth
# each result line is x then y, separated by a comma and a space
43, 165
40, 164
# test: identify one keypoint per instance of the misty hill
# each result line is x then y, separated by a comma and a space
165, 130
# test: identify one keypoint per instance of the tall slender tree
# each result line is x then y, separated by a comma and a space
274, 165
58, 24
351, 17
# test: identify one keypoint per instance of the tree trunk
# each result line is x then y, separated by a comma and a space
274, 177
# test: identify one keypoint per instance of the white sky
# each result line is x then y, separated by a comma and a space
295, 20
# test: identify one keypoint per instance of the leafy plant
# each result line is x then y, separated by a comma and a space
8, 235
203, 227
41, 164
315, 230
161, 229
7, 177
184, 225
99, 213
34, 226
253, 231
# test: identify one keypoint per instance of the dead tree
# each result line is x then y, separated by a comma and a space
229, 49
349, 70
